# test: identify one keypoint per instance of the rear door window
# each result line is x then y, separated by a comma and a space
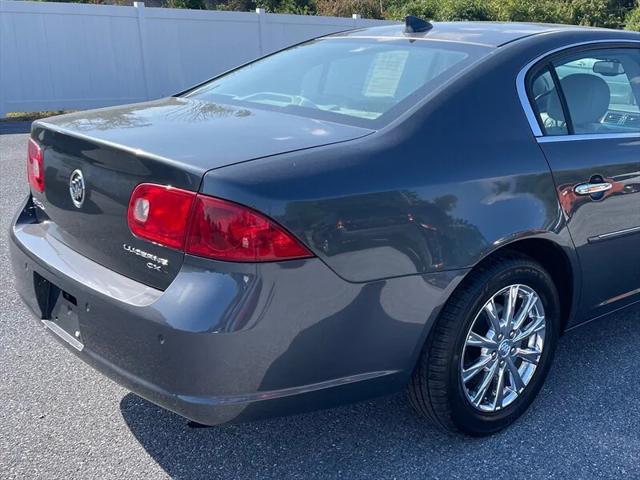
600, 87
589, 92
548, 106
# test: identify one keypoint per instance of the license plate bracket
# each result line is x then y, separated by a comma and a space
59, 310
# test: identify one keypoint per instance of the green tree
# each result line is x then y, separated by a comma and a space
346, 8
191, 4
300, 7
595, 13
633, 20
441, 10
428, 9
454, 10
600, 13
235, 5
528, 10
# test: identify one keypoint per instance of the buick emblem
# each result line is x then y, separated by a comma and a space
76, 188
504, 348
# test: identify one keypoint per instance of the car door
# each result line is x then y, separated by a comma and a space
586, 102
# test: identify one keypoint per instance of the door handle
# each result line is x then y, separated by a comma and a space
591, 188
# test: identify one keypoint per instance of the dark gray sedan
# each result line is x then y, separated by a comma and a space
422, 206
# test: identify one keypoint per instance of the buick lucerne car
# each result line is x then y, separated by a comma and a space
421, 206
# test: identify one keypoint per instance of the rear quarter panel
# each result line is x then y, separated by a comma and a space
440, 189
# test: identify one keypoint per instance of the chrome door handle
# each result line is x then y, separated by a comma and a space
591, 188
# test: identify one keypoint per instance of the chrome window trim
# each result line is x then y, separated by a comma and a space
528, 109
586, 136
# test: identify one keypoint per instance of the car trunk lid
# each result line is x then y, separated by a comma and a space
167, 142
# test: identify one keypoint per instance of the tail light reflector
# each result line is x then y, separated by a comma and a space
209, 227
35, 166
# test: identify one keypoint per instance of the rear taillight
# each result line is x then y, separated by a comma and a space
160, 213
228, 231
209, 227
35, 167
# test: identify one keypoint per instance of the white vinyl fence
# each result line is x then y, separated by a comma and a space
75, 56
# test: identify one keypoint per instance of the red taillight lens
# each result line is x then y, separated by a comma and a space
35, 166
228, 231
208, 227
160, 213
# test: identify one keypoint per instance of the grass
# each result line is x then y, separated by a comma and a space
30, 116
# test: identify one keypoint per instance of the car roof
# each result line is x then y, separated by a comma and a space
491, 34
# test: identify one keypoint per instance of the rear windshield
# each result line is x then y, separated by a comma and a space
360, 81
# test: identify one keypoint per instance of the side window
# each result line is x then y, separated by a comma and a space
548, 107
601, 89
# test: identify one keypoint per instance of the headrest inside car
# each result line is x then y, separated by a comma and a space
587, 96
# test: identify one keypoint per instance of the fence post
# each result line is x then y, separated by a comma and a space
261, 18
356, 17
142, 38
3, 58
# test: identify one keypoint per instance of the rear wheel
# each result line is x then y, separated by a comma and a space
491, 348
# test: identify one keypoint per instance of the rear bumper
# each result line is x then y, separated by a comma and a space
228, 342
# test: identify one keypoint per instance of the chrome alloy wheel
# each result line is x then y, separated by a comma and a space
502, 348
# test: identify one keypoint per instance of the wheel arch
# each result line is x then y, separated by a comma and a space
558, 263
550, 250
555, 255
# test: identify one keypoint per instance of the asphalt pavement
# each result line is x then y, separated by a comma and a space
61, 419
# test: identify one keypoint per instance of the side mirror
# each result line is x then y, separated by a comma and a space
608, 68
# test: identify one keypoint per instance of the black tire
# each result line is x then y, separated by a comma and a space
436, 389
